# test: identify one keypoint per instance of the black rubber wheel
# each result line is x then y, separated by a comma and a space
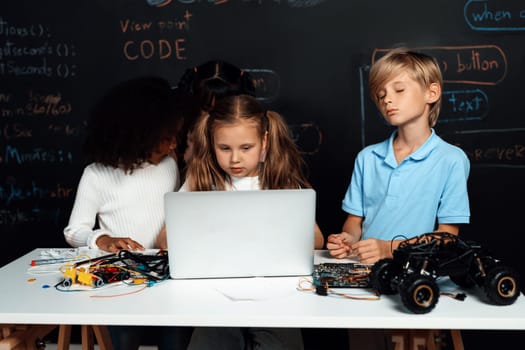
98, 282
67, 282
383, 271
501, 285
419, 293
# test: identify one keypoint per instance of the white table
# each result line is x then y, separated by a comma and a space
275, 302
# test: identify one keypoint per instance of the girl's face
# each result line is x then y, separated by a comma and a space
165, 148
238, 148
402, 101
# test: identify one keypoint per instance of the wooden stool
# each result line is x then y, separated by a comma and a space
23, 337
424, 339
101, 335
28, 337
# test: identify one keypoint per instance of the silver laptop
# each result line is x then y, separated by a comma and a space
226, 234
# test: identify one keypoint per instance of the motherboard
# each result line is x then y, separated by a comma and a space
341, 275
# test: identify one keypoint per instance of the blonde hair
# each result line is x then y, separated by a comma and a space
282, 167
422, 68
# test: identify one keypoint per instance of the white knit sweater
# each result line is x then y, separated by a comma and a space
127, 205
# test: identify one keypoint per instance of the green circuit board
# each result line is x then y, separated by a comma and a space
341, 275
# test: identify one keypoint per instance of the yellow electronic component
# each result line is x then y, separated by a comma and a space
85, 278
71, 273
140, 280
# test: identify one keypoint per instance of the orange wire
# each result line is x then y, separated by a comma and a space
119, 295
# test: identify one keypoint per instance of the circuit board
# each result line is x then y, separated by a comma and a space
341, 275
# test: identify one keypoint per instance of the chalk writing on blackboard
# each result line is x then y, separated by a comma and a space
474, 64
179, 24
18, 155
37, 114
30, 50
145, 39
32, 30
11, 130
30, 201
34, 104
16, 130
461, 105
158, 3
267, 83
290, 3
13, 191
37, 215
160, 49
492, 147
495, 15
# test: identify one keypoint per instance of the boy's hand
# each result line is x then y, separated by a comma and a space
339, 244
115, 244
371, 250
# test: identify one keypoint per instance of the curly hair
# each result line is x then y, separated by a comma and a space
282, 168
131, 120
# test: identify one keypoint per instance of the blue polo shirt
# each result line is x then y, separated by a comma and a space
410, 198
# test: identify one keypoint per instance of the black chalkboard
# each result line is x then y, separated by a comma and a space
309, 60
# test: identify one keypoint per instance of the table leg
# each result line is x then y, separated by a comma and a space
457, 341
64, 337
87, 337
103, 338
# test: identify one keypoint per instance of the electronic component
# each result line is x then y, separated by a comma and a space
418, 262
341, 275
125, 266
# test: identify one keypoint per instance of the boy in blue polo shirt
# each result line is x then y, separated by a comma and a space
412, 183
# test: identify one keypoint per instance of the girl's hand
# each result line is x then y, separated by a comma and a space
338, 245
162, 239
115, 244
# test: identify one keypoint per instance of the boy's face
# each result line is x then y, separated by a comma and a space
402, 100
238, 148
